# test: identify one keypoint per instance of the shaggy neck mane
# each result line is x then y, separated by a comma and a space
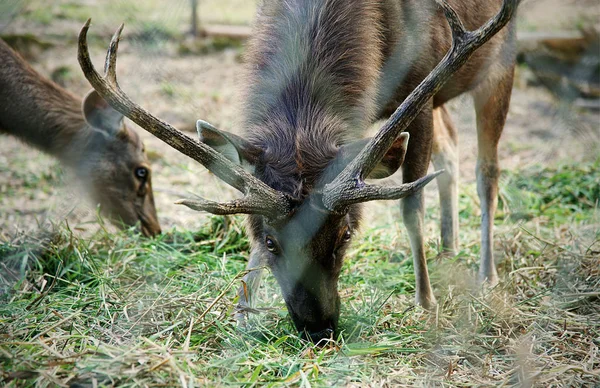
313, 71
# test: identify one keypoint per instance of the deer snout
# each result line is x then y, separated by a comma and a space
319, 337
148, 217
313, 322
149, 222
151, 228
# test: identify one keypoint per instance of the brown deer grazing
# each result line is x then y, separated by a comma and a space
320, 72
90, 139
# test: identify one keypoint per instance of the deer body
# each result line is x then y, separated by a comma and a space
319, 73
102, 152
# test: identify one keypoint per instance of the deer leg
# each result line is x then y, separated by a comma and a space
415, 166
249, 288
445, 156
491, 107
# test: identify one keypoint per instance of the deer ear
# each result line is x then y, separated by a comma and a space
100, 115
233, 147
391, 162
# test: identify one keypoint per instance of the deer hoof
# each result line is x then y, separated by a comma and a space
489, 278
447, 253
428, 302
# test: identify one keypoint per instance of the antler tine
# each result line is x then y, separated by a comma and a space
456, 25
338, 193
368, 192
110, 64
258, 197
237, 206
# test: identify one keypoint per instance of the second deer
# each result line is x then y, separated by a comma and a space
89, 138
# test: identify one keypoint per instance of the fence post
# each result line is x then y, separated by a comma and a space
194, 19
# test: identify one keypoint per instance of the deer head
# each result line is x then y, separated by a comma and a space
114, 169
301, 226
305, 247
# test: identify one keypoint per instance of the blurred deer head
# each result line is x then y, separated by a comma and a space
115, 169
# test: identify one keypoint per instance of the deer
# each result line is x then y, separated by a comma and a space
89, 138
319, 73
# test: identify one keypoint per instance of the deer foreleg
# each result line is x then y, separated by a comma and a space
415, 166
491, 106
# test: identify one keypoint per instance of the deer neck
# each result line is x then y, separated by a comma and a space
58, 130
315, 53
314, 67
39, 112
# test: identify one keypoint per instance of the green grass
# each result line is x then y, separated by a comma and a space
118, 309
566, 191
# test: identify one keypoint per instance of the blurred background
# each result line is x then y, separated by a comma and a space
182, 60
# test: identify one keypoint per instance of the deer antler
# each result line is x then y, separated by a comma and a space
258, 197
349, 186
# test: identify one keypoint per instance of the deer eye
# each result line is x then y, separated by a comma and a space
271, 244
347, 235
141, 172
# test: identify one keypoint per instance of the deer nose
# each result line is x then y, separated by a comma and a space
318, 337
150, 229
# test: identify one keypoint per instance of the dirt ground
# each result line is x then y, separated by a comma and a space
182, 88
